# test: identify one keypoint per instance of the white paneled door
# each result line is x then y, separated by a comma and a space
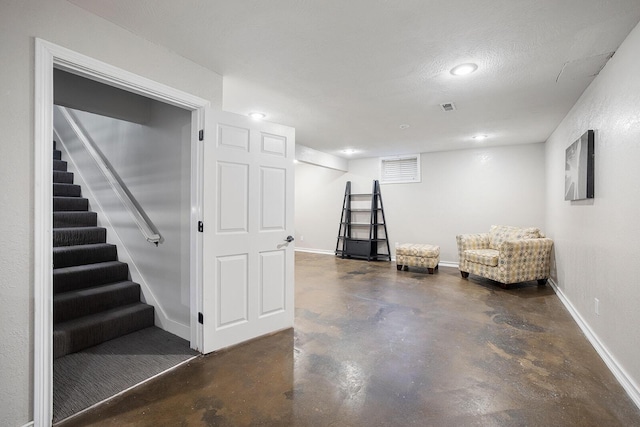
247, 252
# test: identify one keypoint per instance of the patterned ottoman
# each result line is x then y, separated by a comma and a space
417, 255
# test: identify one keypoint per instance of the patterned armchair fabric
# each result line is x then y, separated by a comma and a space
506, 254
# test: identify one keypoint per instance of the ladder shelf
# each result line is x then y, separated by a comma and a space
352, 241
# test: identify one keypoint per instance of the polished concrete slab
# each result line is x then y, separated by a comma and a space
374, 346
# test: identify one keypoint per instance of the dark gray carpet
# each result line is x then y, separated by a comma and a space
93, 299
85, 378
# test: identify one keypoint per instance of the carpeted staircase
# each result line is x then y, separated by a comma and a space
94, 300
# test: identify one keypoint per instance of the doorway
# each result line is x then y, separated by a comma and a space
48, 58
120, 145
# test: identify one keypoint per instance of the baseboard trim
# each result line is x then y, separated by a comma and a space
448, 264
29, 424
315, 251
393, 259
629, 385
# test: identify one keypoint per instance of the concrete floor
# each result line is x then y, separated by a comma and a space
374, 346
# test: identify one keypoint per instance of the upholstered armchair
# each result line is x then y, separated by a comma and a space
506, 254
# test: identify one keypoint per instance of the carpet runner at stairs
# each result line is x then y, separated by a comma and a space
93, 299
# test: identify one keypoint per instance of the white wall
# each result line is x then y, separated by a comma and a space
62, 23
153, 162
597, 242
461, 192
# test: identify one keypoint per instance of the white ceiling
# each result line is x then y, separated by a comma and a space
348, 73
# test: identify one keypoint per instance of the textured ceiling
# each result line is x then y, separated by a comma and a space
347, 74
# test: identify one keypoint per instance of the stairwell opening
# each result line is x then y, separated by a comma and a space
108, 280
49, 57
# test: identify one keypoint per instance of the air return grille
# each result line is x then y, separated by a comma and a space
448, 106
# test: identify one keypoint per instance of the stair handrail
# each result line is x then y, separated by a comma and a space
121, 190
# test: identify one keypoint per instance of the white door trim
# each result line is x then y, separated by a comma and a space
47, 57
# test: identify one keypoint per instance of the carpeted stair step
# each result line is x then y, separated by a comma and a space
77, 334
61, 203
67, 190
94, 301
69, 256
62, 177
73, 236
83, 302
59, 165
67, 279
74, 219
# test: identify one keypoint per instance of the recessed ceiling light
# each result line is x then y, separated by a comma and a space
257, 116
404, 126
349, 151
464, 69
480, 137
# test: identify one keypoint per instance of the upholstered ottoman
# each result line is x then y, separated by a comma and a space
417, 255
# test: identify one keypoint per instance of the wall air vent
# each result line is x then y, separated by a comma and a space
448, 106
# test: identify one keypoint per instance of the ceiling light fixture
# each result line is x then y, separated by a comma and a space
257, 116
480, 137
464, 69
349, 151
404, 126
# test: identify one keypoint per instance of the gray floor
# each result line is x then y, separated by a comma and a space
83, 379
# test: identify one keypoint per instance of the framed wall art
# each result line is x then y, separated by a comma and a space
579, 168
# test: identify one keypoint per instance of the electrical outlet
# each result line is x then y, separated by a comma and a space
597, 306
302, 238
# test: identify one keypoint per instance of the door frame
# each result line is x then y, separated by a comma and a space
47, 57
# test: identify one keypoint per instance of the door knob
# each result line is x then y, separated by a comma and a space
289, 239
